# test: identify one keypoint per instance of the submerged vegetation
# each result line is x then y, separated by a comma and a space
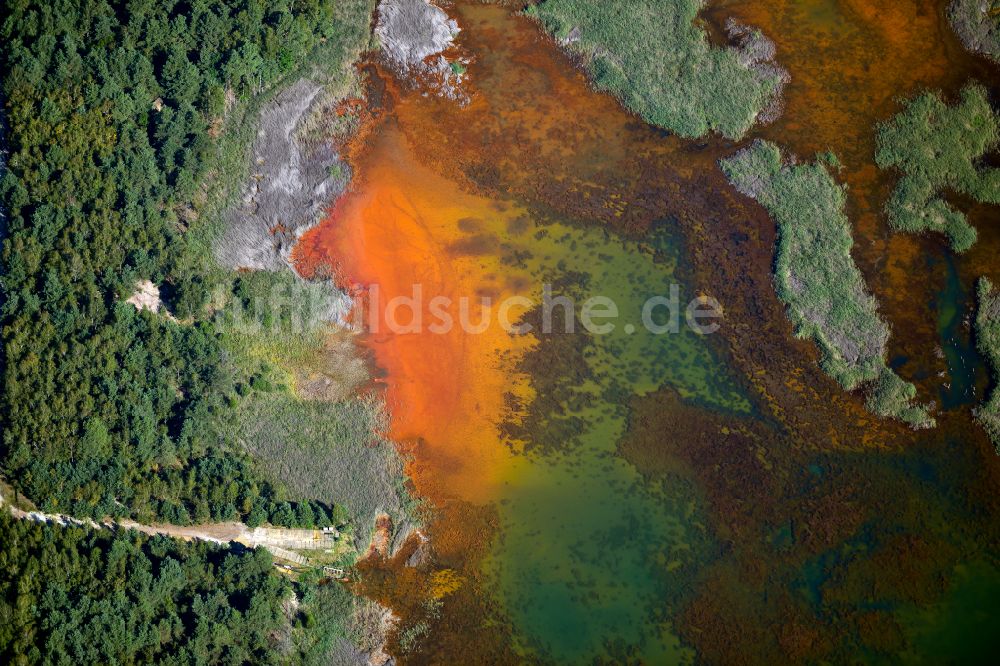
654, 57
936, 147
977, 23
818, 280
124, 124
988, 342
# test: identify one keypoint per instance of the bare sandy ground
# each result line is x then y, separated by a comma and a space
279, 540
414, 35
411, 30
291, 186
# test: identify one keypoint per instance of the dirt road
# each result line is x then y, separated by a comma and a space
280, 541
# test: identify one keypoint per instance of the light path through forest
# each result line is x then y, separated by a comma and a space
282, 542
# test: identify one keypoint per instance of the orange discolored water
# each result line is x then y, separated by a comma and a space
405, 230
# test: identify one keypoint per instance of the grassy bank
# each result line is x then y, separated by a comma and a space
659, 63
334, 626
299, 416
277, 329
816, 277
977, 24
988, 342
936, 147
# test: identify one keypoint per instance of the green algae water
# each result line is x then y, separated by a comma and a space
592, 555
961, 627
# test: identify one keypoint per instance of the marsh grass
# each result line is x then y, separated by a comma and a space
816, 277
988, 343
275, 328
660, 64
334, 626
329, 452
936, 147
277, 322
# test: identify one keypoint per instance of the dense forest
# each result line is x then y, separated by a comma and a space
82, 596
117, 117
72, 595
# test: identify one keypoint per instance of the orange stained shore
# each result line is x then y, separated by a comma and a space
402, 229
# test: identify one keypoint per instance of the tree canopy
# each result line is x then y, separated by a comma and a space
73, 595
114, 112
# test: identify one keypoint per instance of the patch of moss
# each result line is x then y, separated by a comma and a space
830, 159
816, 277
652, 56
988, 343
936, 148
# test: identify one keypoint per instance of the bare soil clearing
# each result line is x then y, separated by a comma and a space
292, 185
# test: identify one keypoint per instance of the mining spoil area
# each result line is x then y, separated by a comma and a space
633, 497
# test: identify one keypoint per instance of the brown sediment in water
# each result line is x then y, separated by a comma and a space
813, 480
464, 627
598, 165
773, 516
852, 63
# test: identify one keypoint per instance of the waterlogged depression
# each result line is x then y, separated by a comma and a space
625, 495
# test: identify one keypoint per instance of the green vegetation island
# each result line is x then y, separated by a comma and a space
817, 279
988, 343
655, 58
937, 148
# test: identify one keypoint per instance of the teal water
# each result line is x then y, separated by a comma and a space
965, 366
